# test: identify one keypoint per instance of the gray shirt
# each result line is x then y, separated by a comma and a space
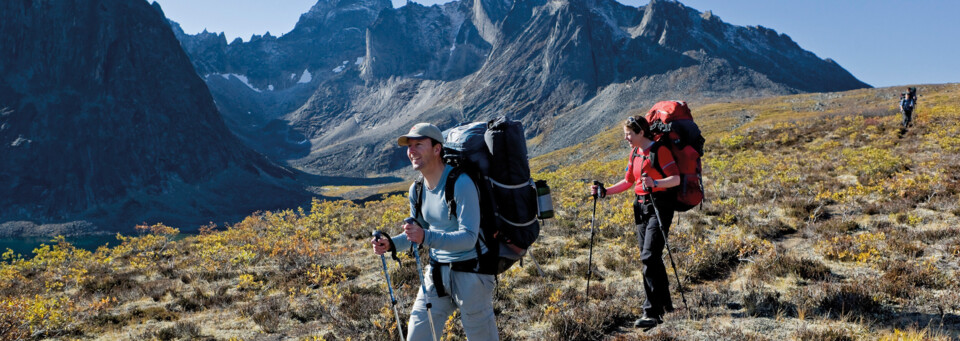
449, 240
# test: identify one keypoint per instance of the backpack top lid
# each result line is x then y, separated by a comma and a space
669, 111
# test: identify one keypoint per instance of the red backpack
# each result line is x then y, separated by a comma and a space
673, 126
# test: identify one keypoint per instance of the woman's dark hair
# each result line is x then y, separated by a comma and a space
639, 125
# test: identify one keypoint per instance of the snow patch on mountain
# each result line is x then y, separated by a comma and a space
341, 67
306, 77
241, 78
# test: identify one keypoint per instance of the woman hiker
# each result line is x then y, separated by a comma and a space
651, 184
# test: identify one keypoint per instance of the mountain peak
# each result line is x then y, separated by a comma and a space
547, 63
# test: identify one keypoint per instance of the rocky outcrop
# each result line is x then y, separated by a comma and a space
107, 121
436, 42
256, 83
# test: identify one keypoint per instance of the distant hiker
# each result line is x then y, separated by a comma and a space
646, 177
449, 283
908, 101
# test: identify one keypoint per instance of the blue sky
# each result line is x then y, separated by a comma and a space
881, 42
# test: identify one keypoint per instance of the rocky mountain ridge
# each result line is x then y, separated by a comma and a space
566, 68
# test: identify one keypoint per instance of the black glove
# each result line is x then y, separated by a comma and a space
601, 192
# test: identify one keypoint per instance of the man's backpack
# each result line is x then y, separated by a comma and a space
494, 155
673, 127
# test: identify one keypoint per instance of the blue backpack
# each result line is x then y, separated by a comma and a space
494, 155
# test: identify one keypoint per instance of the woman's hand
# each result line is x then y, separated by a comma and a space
598, 190
648, 182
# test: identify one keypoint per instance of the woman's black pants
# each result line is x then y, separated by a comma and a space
651, 243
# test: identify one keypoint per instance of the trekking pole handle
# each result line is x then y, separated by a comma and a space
644, 184
599, 189
411, 221
377, 235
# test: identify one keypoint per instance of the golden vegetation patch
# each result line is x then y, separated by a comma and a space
822, 221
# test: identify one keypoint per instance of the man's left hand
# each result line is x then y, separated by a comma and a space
414, 233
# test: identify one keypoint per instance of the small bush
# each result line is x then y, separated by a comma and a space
712, 296
861, 248
824, 334
836, 226
850, 298
357, 304
180, 330
268, 321
624, 266
733, 333
761, 302
936, 235
589, 321
120, 285
771, 230
656, 335
912, 333
579, 269
154, 313
156, 290
713, 258
901, 244
913, 274
266, 312
782, 265
309, 310
806, 209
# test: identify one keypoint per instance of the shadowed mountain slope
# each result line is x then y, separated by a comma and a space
106, 121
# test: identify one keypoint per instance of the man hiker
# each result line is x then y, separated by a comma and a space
908, 101
651, 183
448, 282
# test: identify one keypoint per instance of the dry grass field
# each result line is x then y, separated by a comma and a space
822, 222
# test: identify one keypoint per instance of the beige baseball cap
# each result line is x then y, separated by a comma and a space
419, 131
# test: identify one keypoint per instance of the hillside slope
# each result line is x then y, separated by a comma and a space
821, 222
104, 120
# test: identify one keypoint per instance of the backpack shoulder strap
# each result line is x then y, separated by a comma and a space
418, 201
654, 150
633, 155
448, 191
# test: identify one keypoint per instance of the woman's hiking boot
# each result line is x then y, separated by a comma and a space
647, 322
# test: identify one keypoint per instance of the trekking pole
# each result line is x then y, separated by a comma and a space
593, 223
665, 243
423, 287
393, 300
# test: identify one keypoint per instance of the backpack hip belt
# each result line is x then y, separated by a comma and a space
469, 265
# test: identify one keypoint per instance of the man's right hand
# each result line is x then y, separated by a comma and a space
380, 246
